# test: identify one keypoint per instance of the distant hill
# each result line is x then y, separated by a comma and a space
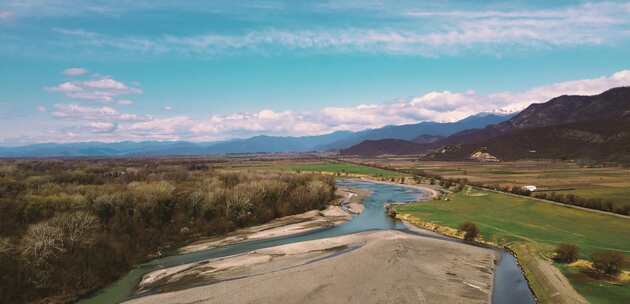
257, 144
126, 148
427, 139
263, 144
384, 146
613, 104
601, 140
413, 131
273, 144
574, 127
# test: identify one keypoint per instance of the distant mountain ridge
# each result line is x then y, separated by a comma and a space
413, 131
598, 140
383, 147
574, 127
257, 144
570, 126
427, 139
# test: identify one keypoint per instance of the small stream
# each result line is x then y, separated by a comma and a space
509, 283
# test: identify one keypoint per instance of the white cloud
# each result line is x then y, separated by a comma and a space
168, 108
78, 112
517, 101
110, 124
451, 106
262, 122
105, 84
169, 125
444, 106
428, 33
41, 109
124, 102
103, 89
67, 87
101, 127
75, 72
6, 15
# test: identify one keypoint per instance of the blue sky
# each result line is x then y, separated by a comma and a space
166, 70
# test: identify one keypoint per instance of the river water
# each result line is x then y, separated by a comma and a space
509, 283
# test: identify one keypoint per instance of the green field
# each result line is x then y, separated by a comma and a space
341, 168
606, 183
597, 292
512, 220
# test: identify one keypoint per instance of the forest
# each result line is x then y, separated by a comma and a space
70, 226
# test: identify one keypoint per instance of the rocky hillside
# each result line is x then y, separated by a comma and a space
607, 140
613, 104
567, 127
384, 146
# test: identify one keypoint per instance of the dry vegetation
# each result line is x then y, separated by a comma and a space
70, 226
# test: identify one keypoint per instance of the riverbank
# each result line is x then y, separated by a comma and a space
535, 269
531, 230
434, 191
350, 203
368, 267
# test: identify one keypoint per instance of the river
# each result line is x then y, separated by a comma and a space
509, 283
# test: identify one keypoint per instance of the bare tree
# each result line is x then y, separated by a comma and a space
5, 246
608, 261
566, 253
42, 244
42, 241
76, 227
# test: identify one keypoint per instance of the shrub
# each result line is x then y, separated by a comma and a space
608, 262
566, 253
471, 231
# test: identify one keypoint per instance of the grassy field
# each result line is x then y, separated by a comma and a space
341, 168
514, 221
597, 292
310, 165
609, 183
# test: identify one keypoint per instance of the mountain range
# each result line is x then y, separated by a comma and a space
413, 131
421, 132
574, 127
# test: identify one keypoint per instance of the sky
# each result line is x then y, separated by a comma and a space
76, 71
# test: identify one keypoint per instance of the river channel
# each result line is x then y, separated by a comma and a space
509, 284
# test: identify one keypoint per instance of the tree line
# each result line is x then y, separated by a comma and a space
68, 227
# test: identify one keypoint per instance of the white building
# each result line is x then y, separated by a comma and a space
530, 188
